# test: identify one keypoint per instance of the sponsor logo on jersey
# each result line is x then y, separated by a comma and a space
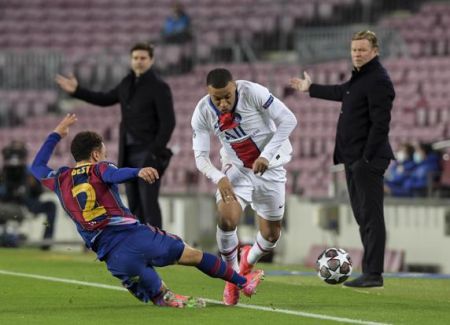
235, 134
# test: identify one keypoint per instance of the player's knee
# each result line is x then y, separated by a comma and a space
271, 235
273, 238
229, 216
190, 256
227, 224
132, 285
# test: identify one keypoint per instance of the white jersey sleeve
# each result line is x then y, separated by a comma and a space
200, 130
205, 166
201, 143
275, 110
285, 122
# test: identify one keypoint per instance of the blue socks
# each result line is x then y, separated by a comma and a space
215, 267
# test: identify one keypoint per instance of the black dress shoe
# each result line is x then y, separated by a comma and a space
366, 281
45, 247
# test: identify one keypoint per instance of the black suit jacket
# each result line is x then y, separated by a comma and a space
147, 111
363, 126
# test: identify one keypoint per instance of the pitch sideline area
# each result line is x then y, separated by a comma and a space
211, 301
72, 288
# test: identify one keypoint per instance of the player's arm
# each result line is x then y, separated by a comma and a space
201, 146
39, 167
283, 118
111, 174
285, 121
205, 166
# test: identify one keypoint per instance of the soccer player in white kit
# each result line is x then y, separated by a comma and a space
253, 127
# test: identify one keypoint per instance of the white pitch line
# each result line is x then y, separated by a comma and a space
269, 309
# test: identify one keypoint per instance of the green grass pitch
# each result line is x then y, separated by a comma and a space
280, 299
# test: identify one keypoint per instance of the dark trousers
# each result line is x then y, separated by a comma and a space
49, 208
142, 196
365, 183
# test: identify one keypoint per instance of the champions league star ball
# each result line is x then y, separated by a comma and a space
334, 265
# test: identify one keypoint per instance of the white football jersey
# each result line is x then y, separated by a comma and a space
257, 113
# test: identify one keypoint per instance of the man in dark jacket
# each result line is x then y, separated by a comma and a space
148, 120
362, 145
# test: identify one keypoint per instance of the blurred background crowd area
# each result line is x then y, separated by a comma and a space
265, 41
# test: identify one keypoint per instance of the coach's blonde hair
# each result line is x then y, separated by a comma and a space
368, 35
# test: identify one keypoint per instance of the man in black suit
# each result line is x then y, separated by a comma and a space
362, 145
148, 120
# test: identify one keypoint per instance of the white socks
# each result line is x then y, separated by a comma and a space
260, 248
228, 243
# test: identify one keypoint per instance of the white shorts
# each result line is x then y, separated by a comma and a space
265, 193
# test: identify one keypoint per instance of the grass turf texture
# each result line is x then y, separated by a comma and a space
32, 301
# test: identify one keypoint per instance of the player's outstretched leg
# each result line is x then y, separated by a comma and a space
217, 268
149, 287
228, 243
230, 294
250, 255
254, 278
167, 298
244, 266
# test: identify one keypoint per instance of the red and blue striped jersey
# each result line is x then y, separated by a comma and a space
87, 192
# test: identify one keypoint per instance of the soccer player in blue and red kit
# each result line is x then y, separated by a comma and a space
89, 194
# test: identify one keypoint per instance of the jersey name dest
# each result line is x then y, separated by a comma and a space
80, 170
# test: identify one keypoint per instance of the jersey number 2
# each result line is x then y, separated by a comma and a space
89, 211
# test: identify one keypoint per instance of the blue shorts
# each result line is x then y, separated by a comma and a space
144, 246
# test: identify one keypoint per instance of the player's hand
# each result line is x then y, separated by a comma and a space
149, 174
68, 84
301, 84
260, 165
226, 190
63, 127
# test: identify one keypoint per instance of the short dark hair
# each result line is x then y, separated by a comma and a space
84, 143
218, 78
426, 147
143, 46
409, 149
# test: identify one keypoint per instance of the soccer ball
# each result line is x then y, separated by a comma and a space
334, 265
